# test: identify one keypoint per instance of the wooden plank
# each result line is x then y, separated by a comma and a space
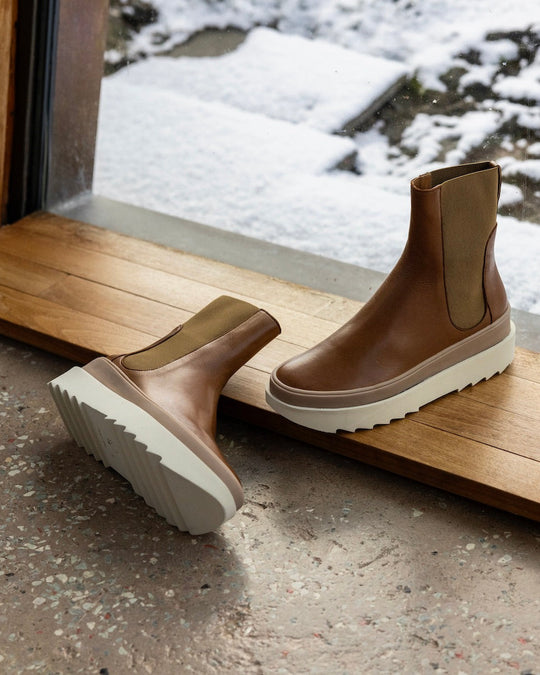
454, 455
219, 275
125, 309
27, 276
95, 336
78, 261
164, 287
104, 302
145, 315
527, 366
509, 430
506, 392
439, 457
84, 291
8, 13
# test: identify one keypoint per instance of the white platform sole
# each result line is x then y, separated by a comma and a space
479, 367
161, 469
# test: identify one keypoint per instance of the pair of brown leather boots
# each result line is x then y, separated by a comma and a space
438, 323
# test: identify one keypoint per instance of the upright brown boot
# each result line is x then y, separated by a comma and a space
439, 322
151, 414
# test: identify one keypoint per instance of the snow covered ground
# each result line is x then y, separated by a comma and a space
229, 142
281, 76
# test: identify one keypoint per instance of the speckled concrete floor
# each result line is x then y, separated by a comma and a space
330, 567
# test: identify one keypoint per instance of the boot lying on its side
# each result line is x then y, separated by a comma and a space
439, 322
151, 414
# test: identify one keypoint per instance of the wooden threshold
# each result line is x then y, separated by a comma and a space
82, 291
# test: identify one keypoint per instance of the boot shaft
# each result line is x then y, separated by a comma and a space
214, 321
453, 221
186, 371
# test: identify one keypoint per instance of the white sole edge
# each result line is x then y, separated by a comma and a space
479, 367
161, 469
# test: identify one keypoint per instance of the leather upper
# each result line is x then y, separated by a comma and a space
189, 387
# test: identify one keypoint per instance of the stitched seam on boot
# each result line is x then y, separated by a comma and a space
493, 305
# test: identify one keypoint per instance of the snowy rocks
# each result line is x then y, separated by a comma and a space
126, 19
525, 87
528, 167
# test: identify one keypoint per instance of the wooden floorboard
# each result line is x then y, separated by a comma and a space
166, 287
217, 274
81, 291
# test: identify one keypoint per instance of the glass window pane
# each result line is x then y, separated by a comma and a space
302, 122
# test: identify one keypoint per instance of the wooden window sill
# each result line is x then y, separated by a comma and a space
82, 291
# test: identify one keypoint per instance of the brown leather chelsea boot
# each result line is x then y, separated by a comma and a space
151, 414
439, 322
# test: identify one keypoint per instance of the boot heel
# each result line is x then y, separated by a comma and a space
161, 468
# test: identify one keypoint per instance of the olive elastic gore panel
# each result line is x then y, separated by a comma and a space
216, 319
469, 213
440, 176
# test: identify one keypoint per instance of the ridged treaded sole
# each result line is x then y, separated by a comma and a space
160, 467
479, 367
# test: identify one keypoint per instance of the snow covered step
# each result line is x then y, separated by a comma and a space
240, 171
286, 77
194, 151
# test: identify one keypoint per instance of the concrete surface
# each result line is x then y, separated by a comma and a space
330, 567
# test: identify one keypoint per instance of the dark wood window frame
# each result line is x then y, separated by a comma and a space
81, 290
58, 47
